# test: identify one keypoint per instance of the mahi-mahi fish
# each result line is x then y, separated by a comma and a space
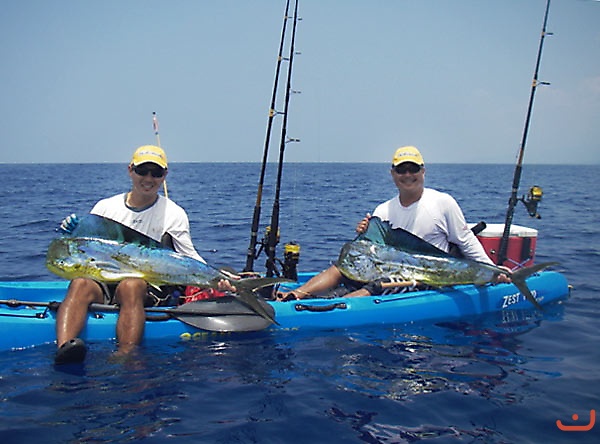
111, 261
383, 252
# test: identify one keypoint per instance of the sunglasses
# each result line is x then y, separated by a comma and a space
407, 167
143, 170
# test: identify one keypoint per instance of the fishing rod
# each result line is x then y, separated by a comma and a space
252, 253
273, 233
536, 195
155, 128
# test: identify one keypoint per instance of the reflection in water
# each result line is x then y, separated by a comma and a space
371, 431
469, 357
125, 398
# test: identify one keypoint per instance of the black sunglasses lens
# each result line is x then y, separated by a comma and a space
143, 170
412, 168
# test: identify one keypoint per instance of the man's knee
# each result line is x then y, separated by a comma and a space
82, 283
131, 291
85, 289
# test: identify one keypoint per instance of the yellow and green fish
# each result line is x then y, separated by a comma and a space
111, 261
383, 252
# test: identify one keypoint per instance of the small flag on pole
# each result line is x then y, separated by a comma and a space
155, 124
155, 128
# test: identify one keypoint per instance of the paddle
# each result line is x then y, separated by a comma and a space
225, 314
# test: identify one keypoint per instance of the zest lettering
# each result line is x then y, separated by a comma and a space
511, 299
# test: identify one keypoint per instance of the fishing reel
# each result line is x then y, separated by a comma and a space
265, 241
534, 197
291, 257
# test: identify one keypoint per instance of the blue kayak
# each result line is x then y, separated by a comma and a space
27, 312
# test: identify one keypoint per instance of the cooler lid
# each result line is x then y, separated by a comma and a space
496, 230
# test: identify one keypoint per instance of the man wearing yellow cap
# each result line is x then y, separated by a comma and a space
147, 212
427, 213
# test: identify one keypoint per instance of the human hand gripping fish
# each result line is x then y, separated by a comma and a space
363, 225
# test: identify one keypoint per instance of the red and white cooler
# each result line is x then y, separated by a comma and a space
521, 244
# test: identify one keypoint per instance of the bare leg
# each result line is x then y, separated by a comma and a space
72, 313
130, 295
322, 282
359, 292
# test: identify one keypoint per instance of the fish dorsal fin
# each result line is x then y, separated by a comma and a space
381, 232
98, 227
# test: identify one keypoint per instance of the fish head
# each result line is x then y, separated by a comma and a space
358, 261
76, 257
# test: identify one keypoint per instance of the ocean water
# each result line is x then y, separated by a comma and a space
490, 379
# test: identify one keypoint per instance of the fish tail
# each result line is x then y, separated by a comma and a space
251, 300
246, 294
518, 278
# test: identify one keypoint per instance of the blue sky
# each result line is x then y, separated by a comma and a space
80, 79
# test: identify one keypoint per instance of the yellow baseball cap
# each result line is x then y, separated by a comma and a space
149, 153
407, 154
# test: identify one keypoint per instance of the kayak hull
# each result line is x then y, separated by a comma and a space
23, 326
